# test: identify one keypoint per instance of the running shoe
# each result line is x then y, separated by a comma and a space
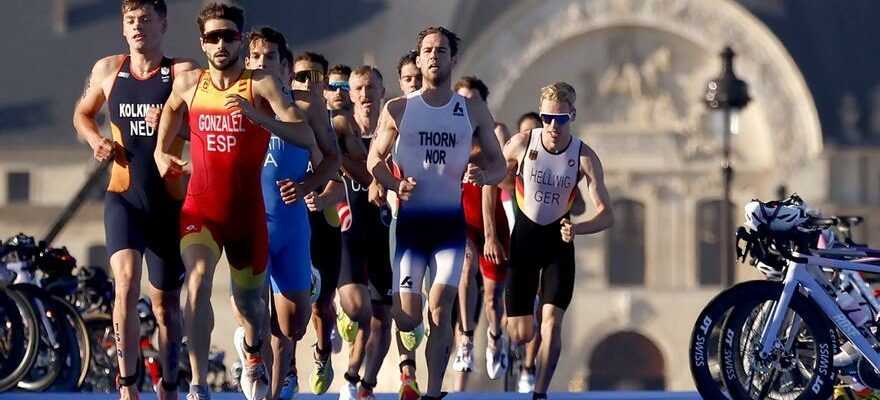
347, 328
348, 391
526, 382
413, 339
198, 392
321, 376
464, 359
290, 386
496, 360
254, 377
366, 394
409, 389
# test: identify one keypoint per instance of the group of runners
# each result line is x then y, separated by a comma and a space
332, 206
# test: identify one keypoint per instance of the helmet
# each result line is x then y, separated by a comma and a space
772, 273
146, 317
56, 263
315, 289
774, 215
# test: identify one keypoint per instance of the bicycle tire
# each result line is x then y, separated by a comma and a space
25, 319
79, 356
704, 346
103, 363
39, 380
816, 329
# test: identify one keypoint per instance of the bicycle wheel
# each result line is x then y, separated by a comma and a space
704, 348
76, 366
18, 338
53, 344
799, 368
103, 364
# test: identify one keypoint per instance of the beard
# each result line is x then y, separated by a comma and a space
437, 78
230, 61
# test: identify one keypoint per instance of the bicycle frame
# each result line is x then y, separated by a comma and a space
810, 278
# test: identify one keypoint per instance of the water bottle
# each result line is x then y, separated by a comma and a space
851, 307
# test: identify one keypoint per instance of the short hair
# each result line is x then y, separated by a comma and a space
287, 56
451, 37
366, 69
220, 11
158, 5
408, 58
559, 91
268, 35
340, 69
529, 115
312, 57
472, 82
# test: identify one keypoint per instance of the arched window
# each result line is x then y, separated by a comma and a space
626, 244
708, 241
626, 361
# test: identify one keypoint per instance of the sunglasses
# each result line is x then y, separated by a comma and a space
334, 86
227, 35
308, 75
561, 119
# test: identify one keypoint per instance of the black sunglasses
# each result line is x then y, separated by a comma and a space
227, 35
308, 75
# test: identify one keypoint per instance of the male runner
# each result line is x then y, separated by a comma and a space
230, 110
310, 71
409, 80
548, 162
289, 233
365, 274
431, 131
141, 210
488, 237
526, 383
410, 77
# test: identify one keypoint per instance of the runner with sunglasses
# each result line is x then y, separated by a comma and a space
548, 162
284, 180
230, 111
141, 210
429, 135
309, 75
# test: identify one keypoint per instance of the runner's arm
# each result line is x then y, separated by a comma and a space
380, 149
354, 159
89, 105
513, 151
324, 143
591, 169
170, 165
485, 131
292, 124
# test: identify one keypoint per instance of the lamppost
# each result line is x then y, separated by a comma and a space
725, 96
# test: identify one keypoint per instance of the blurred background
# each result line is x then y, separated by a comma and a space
640, 68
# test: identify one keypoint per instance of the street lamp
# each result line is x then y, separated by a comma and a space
725, 96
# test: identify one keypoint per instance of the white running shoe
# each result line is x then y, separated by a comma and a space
496, 360
254, 377
464, 359
526, 382
348, 391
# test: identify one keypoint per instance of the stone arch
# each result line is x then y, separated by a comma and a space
626, 360
783, 110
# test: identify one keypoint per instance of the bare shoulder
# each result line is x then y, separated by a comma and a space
590, 162
181, 65
521, 139
186, 79
307, 100
107, 66
396, 107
